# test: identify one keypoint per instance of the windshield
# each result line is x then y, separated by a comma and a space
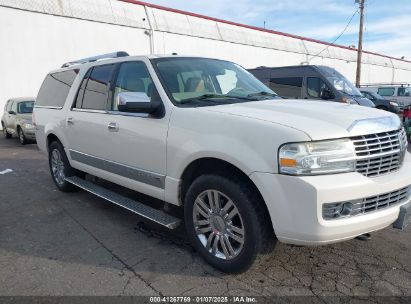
204, 80
25, 107
342, 84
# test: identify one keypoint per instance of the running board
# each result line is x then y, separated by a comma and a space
145, 211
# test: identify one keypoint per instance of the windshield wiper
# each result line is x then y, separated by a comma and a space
203, 97
262, 93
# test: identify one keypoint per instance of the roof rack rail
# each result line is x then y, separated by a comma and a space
95, 58
403, 84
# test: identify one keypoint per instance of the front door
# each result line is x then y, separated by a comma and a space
125, 148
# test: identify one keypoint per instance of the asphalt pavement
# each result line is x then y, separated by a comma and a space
54, 243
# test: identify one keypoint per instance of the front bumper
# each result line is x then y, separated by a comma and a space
30, 133
295, 204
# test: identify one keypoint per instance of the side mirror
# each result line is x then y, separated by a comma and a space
136, 102
12, 112
326, 94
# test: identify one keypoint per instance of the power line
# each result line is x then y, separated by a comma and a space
338, 37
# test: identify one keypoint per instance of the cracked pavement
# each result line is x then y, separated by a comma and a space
53, 243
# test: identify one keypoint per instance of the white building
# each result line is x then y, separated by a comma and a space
37, 36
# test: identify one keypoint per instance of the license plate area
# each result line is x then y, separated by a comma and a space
404, 218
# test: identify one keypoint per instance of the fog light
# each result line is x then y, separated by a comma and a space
346, 209
337, 210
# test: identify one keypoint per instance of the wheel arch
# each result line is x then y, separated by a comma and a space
213, 165
50, 138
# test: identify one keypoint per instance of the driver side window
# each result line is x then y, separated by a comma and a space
314, 87
133, 77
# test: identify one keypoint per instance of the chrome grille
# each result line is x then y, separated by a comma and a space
383, 200
366, 205
380, 153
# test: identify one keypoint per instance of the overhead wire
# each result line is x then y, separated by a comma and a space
338, 37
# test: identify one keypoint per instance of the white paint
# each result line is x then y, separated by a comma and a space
6, 171
39, 36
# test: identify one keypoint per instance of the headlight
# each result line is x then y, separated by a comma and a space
393, 103
28, 126
322, 157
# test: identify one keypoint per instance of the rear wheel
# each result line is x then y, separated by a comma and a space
22, 138
60, 167
226, 223
5, 133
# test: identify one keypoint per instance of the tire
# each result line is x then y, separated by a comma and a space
60, 167
22, 138
6, 134
247, 233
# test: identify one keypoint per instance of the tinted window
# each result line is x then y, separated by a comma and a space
25, 107
386, 91
404, 91
55, 88
133, 77
97, 88
314, 86
82, 89
287, 86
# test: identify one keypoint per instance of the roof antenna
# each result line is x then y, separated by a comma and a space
174, 54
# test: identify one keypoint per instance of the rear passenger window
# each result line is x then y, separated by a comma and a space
287, 86
133, 77
386, 91
97, 88
55, 88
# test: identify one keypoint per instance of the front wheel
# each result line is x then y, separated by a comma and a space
22, 138
225, 222
60, 167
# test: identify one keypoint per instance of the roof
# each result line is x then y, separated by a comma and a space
255, 28
18, 99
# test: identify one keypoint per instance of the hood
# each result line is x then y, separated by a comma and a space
318, 119
362, 101
25, 116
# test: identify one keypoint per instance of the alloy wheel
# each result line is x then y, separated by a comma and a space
57, 166
218, 224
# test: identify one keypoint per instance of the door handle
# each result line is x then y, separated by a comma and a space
112, 127
70, 121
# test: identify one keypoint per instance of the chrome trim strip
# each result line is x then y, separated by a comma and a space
374, 125
89, 110
140, 175
47, 107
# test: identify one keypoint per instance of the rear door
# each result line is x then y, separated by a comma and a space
87, 120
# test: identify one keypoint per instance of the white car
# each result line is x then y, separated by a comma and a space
247, 167
400, 94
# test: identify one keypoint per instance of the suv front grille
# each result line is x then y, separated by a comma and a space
366, 205
380, 153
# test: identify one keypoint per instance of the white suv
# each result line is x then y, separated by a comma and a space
247, 167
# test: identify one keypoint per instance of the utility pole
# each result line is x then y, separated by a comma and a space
359, 52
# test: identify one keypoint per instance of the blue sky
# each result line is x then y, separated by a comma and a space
387, 23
